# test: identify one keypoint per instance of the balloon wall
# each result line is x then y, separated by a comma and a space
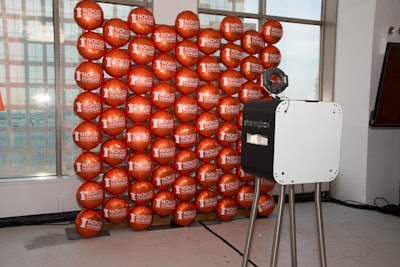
161, 117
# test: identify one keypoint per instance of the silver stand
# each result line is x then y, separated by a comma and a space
278, 225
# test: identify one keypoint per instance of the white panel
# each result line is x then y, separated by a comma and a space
307, 142
165, 12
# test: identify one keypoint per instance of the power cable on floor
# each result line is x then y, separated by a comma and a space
225, 241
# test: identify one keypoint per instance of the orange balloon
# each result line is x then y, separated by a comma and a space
138, 109
88, 106
231, 28
140, 79
186, 53
243, 176
239, 120
228, 159
251, 68
208, 96
185, 161
231, 55
88, 75
164, 203
141, 21
162, 123
187, 24
139, 166
163, 177
272, 31
209, 41
112, 121
114, 92
91, 45
250, 91
245, 196
185, 135
208, 68
164, 67
88, 165
185, 108
266, 205
115, 209
186, 80
88, 15
86, 135
229, 108
207, 149
252, 42
140, 192
270, 57
185, 213
226, 209
206, 201
164, 38
185, 187
116, 62
267, 186
140, 217
228, 133
141, 50
231, 82
163, 150
207, 175
88, 223
116, 32
113, 151
163, 95
115, 181
207, 124
228, 184
138, 137
90, 194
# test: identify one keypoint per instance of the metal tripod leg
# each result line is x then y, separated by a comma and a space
253, 215
292, 216
278, 227
320, 225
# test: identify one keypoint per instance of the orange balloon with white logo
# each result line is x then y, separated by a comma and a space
113, 151
88, 15
187, 52
89, 75
140, 217
114, 92
141, 21
88, 105
185, 136
163, 150
90, 194
141, 192
116, 62
163, 177
185, 213
209, 41
162, 123
185, 187
186, 80
208, 96
140, 79
226, 209
139, 166
207, 124
91, 45
185, 161
231, 28
272, 31
164, 38
86, 135
112, 121
207, 175
141, 50
88, 223
116, 32
164, 66
88, 165
115, 209
163, 203
115, 181
187, 24
185, 108
228, 158
206, 201
138, 108
138, 137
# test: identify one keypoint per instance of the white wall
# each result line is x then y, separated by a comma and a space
369, 165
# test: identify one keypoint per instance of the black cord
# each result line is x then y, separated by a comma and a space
225, 241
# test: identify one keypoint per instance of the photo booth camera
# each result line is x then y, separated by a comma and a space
289, 142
